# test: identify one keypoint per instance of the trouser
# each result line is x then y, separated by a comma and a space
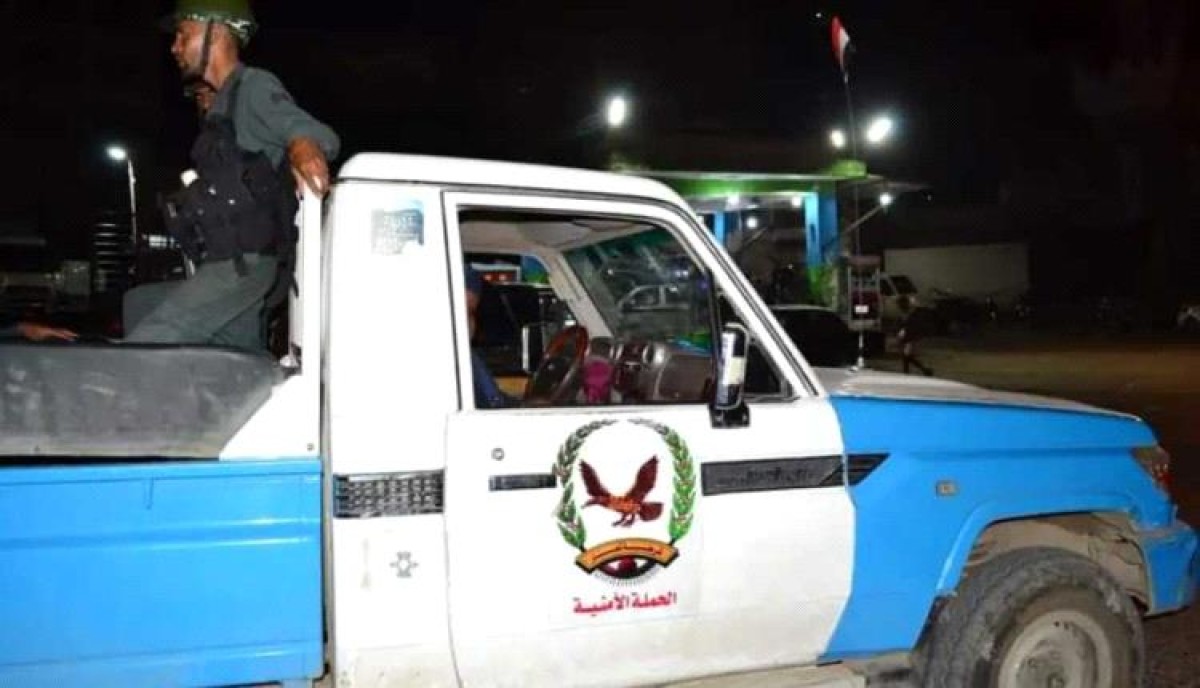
487, 392
216, 305
908, 357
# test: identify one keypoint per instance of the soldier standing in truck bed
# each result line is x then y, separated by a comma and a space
237, 220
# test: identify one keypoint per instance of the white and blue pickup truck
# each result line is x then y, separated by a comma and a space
672, 495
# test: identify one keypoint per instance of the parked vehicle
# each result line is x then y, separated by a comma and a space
955, 314
878, 301
822, 337
347, 515
899, 297
654, 297
977, 272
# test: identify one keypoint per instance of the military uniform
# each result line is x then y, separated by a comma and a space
222, 302
266, 117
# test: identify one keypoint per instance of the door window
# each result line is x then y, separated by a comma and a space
645, 333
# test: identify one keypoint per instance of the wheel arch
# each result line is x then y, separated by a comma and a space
1103, 536
1103, 533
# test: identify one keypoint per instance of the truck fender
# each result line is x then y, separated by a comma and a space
1037, 506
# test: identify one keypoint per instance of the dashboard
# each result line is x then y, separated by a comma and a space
654, 371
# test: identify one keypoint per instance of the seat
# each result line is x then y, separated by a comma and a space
92, 403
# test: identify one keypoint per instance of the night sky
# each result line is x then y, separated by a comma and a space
987, 97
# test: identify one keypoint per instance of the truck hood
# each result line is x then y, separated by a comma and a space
850, 382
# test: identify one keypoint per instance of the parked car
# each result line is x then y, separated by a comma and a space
955, 314
898, 297
654, 297
823, 337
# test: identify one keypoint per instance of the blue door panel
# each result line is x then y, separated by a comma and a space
205, 573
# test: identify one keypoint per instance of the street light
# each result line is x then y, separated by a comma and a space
885, 199
838, 138
119, 154
617, 112
879, 130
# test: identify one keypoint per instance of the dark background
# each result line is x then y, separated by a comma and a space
1073, 125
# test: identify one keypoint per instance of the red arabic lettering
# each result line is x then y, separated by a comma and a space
621, 602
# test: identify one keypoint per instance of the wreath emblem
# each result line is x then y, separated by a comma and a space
625, 558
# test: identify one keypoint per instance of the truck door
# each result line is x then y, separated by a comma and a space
617, 537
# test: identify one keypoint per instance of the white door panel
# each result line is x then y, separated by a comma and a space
760, 577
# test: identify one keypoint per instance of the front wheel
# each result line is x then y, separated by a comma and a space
1040, 618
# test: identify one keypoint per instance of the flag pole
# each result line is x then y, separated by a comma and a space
857, 247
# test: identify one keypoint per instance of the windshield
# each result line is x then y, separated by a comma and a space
645, 285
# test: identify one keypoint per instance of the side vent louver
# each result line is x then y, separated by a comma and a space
859, 466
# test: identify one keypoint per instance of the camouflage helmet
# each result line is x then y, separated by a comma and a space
235, 14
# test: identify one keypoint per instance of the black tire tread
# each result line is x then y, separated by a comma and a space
966, 625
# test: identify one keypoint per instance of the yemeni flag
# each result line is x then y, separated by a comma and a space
841, 44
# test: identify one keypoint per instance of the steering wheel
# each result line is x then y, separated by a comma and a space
557, 378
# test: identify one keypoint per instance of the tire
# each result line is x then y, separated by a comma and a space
1034, 617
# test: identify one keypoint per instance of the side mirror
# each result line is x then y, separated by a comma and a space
533, 347
728, 407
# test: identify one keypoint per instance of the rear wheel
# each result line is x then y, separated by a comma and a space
1035, 618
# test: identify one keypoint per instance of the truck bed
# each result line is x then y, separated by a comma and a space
97, 402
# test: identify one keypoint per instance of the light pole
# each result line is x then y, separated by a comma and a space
877, 132
885, 200
120, 154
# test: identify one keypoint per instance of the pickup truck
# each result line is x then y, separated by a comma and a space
346, 515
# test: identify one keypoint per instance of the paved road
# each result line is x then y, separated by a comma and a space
1155, 379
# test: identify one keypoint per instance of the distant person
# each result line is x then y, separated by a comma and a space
916, 326
237, 220
34, 332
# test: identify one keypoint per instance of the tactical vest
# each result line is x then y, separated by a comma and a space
239, 203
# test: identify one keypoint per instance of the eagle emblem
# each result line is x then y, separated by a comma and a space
632, 504
644, 537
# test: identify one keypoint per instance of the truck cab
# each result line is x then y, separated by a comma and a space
638, 515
